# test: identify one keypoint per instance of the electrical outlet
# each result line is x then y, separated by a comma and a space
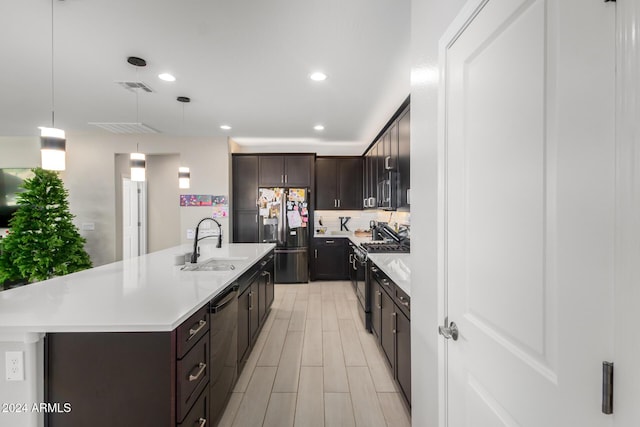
14, 365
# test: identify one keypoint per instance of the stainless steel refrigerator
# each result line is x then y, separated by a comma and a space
284, 220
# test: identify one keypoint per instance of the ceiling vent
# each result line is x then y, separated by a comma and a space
132, 86
123, 128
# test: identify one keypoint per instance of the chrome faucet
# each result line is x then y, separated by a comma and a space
195, 254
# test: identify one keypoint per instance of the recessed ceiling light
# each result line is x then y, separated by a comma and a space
318, 127
225, 127
167, 77
318, 76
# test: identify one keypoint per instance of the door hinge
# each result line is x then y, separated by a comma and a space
607, 388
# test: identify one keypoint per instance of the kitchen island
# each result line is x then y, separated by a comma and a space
131, 313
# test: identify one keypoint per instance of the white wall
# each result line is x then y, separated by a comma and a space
92, 185
163, 209
429, 19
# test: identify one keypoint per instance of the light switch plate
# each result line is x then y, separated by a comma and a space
14, 365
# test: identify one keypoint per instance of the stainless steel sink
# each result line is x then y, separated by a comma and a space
210, 265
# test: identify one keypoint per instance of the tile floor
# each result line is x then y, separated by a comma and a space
313, 364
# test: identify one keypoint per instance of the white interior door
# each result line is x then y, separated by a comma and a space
133, 218
527, 231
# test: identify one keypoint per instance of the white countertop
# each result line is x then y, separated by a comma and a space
146, 293
395, 265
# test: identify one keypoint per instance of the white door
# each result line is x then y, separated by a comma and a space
133, 218
527, 231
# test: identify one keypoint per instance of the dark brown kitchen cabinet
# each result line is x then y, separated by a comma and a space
245, 182
265, 289
243, 201
245, 226
391, 326
387, 169
254, 303
329, 259
136, 378
291, 170
339, 183
403, 354
376, 306
387, 325
404, 162
371, 178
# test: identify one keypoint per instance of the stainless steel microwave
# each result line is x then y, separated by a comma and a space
386, 193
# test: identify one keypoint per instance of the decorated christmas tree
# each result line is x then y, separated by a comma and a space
42, 242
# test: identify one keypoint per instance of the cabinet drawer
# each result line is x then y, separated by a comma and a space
191, 330
385, 283
403, 301
198, 416
193, 376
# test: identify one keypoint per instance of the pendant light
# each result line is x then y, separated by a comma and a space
184, 175
137, 160
52, 140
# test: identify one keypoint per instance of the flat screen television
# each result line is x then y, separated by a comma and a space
11, 181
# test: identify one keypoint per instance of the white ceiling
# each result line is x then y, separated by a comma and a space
243, 63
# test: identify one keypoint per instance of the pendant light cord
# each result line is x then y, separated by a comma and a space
53, 103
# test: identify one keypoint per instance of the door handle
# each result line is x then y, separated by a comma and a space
449, 332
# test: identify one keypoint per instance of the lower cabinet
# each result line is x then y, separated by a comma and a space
330, 259
159, 379
391, 326
127, 379
256, 296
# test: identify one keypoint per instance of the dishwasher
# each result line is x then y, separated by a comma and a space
224, 350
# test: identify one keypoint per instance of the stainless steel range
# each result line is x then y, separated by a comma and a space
361, 265
384, 247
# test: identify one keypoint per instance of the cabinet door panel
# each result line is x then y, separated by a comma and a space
387, 320
243, 327
404, 162
326, 184
376, 306
298, 170
245, 226
254, 312
403, 355
271, 171
350, 183
245, 182
329, 260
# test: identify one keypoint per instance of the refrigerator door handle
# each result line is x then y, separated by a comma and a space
283, 218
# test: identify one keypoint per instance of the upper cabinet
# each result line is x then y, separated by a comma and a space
292, 170
339, 183
387, 167
404, 163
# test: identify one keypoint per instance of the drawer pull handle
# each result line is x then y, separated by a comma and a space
263, 263
385, 282
193, 332
375, 270
329, 241
404, 301
201, 368
202, 422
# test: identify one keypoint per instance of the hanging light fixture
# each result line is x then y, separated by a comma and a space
137, 160
184, 175
52, 140
138, 164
